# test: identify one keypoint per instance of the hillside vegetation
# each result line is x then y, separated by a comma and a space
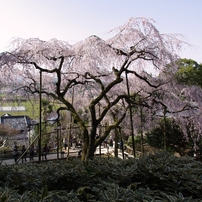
31, 108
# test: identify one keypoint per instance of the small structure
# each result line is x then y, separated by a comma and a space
20, 123
12, 109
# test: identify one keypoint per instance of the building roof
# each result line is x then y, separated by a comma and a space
16, 122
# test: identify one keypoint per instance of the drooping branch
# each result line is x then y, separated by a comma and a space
184, 108
144, 79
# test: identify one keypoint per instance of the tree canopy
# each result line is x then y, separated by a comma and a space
96, 70
189, 72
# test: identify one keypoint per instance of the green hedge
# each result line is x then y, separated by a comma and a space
157, 177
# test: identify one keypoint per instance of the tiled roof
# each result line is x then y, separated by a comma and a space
16, 122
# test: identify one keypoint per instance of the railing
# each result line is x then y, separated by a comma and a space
52, 155
26, 151
6, 154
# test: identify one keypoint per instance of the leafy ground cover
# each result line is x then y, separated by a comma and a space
157, 177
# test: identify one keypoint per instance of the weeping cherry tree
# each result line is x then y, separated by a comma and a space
95, 68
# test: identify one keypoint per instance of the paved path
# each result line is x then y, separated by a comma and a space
50, 156
72, 153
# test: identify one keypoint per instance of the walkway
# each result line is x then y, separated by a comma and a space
51, 156
72, 153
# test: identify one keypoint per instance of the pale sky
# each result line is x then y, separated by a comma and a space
75, 20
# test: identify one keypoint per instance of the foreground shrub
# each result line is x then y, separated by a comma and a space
158, 177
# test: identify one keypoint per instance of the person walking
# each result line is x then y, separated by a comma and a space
74, 142
65, 146
15, 151
24, 153
31, 152
45, 150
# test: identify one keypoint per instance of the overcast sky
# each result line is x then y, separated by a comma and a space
75, 20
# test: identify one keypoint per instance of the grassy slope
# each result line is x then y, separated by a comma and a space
32, 109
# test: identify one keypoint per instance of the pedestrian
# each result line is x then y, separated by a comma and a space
105, 143
15, 151
111, 142
65, 146
31, 152
45, 150
97, 136
24, 153
79, 153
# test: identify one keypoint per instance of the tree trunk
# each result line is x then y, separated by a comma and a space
141, 132
87, 152
116, 143
122, 143
89, 145
131, 117
164, 131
